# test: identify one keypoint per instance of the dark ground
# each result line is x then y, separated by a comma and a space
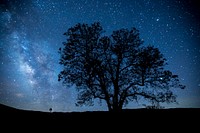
161, 120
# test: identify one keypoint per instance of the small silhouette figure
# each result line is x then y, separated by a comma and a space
50, 109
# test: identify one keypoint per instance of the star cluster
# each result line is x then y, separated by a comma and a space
31, 32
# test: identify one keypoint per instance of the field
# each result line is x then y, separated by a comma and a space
133, 119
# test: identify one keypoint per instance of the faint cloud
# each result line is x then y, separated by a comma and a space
20, 95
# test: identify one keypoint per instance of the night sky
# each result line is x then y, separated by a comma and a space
31, 32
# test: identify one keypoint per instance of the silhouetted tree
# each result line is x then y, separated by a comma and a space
116, 69
50, 109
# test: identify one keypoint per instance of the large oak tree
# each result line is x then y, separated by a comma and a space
116, 68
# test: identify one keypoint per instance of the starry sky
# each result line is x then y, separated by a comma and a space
31, 32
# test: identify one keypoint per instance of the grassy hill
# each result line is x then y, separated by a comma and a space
130, 118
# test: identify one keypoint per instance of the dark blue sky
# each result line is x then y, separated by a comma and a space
31, 32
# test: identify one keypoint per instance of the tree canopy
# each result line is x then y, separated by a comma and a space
116, 68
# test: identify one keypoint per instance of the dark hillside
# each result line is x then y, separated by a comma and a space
145, 118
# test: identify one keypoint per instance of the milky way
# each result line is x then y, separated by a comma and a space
31, 32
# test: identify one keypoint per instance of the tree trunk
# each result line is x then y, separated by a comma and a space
109, 106
115, 98
116, 107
